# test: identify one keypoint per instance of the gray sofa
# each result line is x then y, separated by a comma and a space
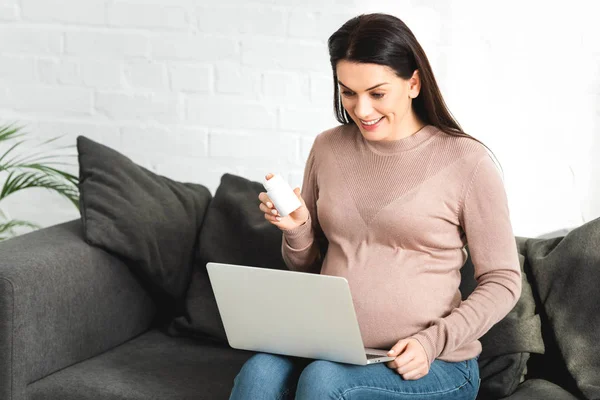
76, 324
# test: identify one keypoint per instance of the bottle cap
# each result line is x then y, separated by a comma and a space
275, 180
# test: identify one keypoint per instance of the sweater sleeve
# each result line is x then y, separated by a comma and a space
303, 248
484, 217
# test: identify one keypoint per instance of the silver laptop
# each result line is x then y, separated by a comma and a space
291, 313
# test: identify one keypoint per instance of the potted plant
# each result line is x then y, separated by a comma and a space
30, 171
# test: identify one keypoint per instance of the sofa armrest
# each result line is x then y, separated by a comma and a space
62, 301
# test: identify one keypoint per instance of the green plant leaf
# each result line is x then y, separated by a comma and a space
15, 163
8, 132
49, 170
5, 166
25, 180
38, 169
7, 229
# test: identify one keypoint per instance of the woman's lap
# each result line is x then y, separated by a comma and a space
270, 376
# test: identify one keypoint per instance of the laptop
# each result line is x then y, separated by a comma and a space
291, 313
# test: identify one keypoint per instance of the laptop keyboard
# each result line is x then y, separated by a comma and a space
372, 356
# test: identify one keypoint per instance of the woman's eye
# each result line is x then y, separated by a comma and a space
347, 93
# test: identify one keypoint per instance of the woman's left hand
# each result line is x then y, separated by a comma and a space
411, 360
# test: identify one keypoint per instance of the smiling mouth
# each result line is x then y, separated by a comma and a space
372, 122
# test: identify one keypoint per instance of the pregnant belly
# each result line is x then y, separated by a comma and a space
393, 300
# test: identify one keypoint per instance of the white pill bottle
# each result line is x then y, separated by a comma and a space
282, 195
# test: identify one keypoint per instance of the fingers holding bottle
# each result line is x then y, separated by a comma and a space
267, 207
282, 206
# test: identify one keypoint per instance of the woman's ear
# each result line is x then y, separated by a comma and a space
414, 84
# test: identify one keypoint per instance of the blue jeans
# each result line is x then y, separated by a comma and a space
271, 376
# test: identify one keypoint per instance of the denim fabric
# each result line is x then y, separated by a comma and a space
271, 376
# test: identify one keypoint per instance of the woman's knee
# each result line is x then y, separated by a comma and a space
263, 367
320, 380
264, 376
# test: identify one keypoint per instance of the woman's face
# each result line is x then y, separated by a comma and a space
379, 102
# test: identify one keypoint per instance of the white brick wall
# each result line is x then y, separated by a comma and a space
193, 88
147, 16
9, 10
88, 12
25, 39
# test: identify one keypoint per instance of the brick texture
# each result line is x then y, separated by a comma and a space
193, 89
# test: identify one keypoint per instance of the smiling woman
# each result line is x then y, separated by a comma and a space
390, 199
382, 111
382, 76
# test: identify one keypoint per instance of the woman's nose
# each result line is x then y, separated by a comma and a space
363, 108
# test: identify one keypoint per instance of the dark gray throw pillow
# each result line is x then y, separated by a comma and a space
150, 221
234, 232
507, 346
566, 277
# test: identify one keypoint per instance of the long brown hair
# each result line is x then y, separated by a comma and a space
385, 40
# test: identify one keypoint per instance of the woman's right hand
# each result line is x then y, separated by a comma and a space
293, 220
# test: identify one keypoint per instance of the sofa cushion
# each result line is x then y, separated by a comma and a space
506, 347
151, 366
234, 232
538, 389
148, 220
566, 274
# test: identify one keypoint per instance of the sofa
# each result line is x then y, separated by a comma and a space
83, 317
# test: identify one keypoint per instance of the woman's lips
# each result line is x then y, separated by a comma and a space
371, 127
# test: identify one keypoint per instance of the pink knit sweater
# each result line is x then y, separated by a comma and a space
396, 216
